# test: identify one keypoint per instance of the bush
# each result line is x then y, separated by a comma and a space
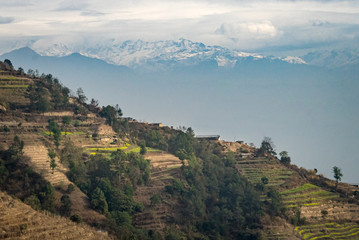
77, 123
324, 213
5, 129
65, 208
76, 218
70, 188
155, 200
285, 160
298, 220
33, 201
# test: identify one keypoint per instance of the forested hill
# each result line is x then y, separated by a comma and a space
66, 156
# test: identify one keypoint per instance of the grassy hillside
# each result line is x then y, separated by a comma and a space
140, 181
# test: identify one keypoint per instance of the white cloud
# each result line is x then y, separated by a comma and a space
233, 23
256, 30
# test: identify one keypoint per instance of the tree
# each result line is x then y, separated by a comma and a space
56, 132
8, 63
285, 159
94, 102
65, 208
143, 150
118, 110
267, 147
98, 201
81, 95
39, 98
110, 113
66, 120
53, 164
337, 175
190, 131
20, 71
275, 203
264, 180
47, 197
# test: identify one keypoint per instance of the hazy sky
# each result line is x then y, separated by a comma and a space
262, 25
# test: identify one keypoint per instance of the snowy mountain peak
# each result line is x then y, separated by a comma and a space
157, 54
294, 60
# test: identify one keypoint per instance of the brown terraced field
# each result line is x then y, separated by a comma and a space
20, 221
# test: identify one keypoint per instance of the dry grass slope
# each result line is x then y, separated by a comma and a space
19, 221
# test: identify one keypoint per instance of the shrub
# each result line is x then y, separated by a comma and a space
23, 227
70, 188
5, 129
76, 218
77, 123
155, 200
324, 213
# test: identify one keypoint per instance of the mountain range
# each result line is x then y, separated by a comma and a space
166, 54
159, 54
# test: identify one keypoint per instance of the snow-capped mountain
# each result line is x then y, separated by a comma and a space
159, 54
333, 58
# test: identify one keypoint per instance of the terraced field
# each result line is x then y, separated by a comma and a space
20, 221
40, 162
108, 149
329, 231
283, 231
164, 167
256, 169
7, 81
104, 149
322, 209
306, 195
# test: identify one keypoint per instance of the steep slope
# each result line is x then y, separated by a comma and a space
40, 161
321, 211
19, 221
159, 210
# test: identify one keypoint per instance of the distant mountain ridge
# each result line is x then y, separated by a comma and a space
160, 54
333, 58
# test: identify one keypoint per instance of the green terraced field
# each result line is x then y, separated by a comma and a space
14, 86
7, 77
328, 231
303, 195
306, 195
138, 149
302, 188
109, 150
262, 167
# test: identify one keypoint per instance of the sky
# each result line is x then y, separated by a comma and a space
276, 27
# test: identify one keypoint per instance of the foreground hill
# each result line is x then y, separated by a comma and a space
20, 221
145, 181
